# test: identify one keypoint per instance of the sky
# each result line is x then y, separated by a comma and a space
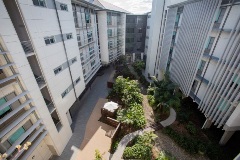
133, 6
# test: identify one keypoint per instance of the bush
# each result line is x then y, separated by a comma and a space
165, 156
98, 155
191, 128
194, 145
132, 116
114, 146
138, 151
142, 147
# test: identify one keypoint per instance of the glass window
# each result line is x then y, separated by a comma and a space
201, 67
69, 36
57, 70
64, 7
5, 110
109, 32
64, 93
74, 60
16, 135
77, 80
220, 15
49, 40
130, 30
194, 86
210, 43
39, 3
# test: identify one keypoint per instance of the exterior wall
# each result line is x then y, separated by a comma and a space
147, 32
25, 81
138, 44
115, 22
209, 75
103, 36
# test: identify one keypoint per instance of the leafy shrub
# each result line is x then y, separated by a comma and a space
143, 81
124, 71
194, 145
165, 156
98, 155
142, 148
133, 116
138, 151
114, 146
138, 67
151, 100
191, 128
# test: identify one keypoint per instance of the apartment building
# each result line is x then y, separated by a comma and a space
135, 34
49, 52
198, 44
147, 33
111, 22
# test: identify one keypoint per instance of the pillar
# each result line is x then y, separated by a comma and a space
207, 124
133, 55
226, 136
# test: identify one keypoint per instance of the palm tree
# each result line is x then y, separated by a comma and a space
166, 93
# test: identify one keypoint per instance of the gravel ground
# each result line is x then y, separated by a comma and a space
163, 142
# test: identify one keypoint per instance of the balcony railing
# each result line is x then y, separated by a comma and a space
216, 25
27, 46
40, 81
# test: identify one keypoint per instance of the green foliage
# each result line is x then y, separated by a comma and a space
114, 146
138, 151
124, 71
138, 67
165, 156
194, 145
165, 94
151, 101
142, 148
98, 155
191, 128
132, 116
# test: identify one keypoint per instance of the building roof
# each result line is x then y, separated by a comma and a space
108, 6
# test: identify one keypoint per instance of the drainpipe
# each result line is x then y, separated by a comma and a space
65, 51
221, 30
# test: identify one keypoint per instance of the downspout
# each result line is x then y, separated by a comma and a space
221, 30
65, 51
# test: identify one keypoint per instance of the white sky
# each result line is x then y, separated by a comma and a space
133, 6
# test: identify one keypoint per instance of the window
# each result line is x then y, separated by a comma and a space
63, 7
87, 16
109, 19
39, 3
210, 43
221, 14
201, 67
49, 40
139, 39
65, 93
74, 60
69, 36
57, 70
194, 86
130, 30
16, 135
109, 32
92, 63
77, 80
149, 16
5, 110
89, 35
139, 30
148, 27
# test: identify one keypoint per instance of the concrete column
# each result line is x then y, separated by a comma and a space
207, 124
133, 55
226, 136
141, 56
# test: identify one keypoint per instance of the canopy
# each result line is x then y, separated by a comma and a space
110, 106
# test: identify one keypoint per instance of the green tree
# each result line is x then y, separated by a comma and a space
166, 94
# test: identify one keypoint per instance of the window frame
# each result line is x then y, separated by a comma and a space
69, 34
38, 1
58, 69
63, 7
50, 38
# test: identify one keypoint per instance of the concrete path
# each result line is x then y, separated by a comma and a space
127, 138
170, 119
80, 119
124, 141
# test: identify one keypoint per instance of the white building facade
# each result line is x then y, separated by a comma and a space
200, 49
49, 53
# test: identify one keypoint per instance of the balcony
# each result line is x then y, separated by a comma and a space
40, 81
27, 47
199, 77
50, 105
56, 120
6, 80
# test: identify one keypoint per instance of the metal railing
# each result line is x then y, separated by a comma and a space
40, 80
27, 46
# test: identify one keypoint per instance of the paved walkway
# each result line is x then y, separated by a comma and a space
170, 119
95, 135
86, 106
127, 138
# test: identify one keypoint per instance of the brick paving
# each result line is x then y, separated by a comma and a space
86, 105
